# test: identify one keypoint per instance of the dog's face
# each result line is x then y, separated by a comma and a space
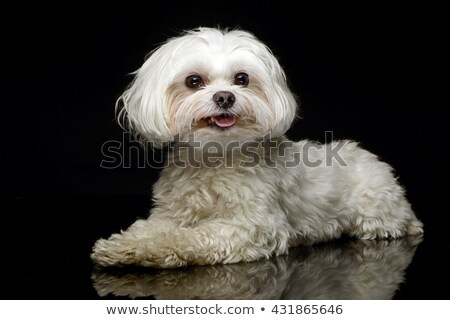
216, 85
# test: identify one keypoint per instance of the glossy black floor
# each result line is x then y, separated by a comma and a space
47, 242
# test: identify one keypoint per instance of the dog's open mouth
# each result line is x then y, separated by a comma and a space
224, 120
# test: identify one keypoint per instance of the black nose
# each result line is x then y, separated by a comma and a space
224, 99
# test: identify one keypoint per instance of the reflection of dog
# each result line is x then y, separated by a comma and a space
359, 269
226, 88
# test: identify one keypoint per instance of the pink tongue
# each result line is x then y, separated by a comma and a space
224, 122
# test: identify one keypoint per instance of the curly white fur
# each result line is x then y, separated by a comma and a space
207, 214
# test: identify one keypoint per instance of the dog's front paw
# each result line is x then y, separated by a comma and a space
122, 250
114, 252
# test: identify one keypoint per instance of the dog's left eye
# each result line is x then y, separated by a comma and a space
194, 81
241, 79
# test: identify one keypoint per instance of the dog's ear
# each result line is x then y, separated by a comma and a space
284, 103
283, 100
142, 108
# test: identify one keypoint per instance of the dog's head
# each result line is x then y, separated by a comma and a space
218, 85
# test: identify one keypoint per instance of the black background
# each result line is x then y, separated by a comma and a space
367, 74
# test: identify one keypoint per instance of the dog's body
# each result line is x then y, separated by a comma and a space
234, 208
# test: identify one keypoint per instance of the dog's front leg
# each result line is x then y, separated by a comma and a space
163, 243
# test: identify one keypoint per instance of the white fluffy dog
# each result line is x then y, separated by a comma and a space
235, 189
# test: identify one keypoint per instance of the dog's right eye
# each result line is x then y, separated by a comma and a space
194, 81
